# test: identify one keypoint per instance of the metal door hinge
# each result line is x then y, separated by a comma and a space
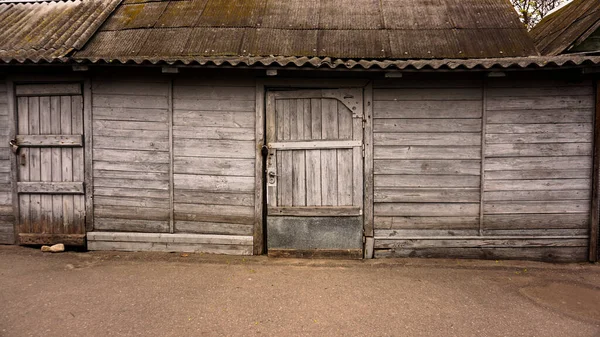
364, 122
363, 150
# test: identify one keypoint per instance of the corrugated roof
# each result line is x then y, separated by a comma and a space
46, 30
566, 27
337, 29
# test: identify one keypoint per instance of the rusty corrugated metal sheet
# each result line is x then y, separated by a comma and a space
337, 29
48, 30
559, 31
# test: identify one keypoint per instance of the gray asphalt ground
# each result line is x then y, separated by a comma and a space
155, 294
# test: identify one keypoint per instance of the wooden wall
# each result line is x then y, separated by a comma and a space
6, 210
536, 163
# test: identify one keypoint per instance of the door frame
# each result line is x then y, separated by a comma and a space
262, 87
11, 83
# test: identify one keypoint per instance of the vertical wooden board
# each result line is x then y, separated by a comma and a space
278, 121
345, 177
345, 124
24, 199
313, 178
66, 119
307, 122
329, 178
330, 119
78, 165
286, 120
34, 163
285, 181
57, 200
299, 178
45, 165
294, 119
316, 116
277, 197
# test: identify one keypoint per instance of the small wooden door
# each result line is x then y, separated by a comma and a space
50, 162
315, 172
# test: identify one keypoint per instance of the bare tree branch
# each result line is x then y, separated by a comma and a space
532, 11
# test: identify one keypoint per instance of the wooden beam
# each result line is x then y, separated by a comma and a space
368, 171
58, 89
12, 133
50, 187
483, 148
50, 140
259, 235
88, 154
351, 254
326, 211
317, 144
171, 160
595, 214
40, 239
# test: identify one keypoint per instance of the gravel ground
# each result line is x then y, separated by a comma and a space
156, 294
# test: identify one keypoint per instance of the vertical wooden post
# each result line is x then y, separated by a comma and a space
482, 172
171, 171
368, 171
88, 154
12, 134
258, 169
594, 221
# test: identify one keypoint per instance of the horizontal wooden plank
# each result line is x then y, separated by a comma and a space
548, 254
317, 144
535, 221
427, 152
213, 198
213, 132
201, 227
427, 209
130, 156
215, 79
426, 195
426, 139
130, 101
428, 94
129, 125
404, 233
539, 128
131, 225
6, 198
214, 166
536, 232
198, 104
131, 167
130, 213
430, 83
135, 87
427, 109
130, 192
50, 187
50, 140
547, 207
214, 183
540, 150
214, 148
397, 180
140, 144
538, 195
426, 167
491, 242
538, 163
170, 247
315, 211
54, 89
537, 185
538, 174
131, 114
426, 125
226, 119
137, 134
241, 93
50, 239
131, 201
132, 183
538, 90
214, 213
533, 138
171, 238
540, 102
566, 115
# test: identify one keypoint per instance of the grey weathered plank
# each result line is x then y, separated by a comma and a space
528, 150
131, 213
427, 109
49, 140
405, 233
170, 247
130, 192
534, 221
137, 134
129, 125
131, 225
538, 174
131, 114
310, 145
554, 254
516, 90
213, 148
540, 128
214, 183
398, 180
132, 183
313, 178
538, 195
135, 87
129, 156
427, 125
298, 178
427, 209
558, 137
565, 115
131, 201
130, 101
213, 132
427, 152
214, 92
215, 211
427, 195
540, 102
213, 198
315, 211
546, 207
201, 227
214, 166
536, 232
329, 181
537, 185
131, 166
427, 138
480, 242
427, 167
154, 176
538, 163
427, 94
226, 119
139, 144
199, 104
49, 187
56, 89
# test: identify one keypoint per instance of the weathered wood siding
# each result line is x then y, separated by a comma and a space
213, 148
131, 154
6, 209
537, 159
427, 158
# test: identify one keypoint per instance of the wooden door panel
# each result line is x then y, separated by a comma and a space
50, 167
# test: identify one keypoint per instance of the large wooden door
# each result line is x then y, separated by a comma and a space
315, 172
50, 161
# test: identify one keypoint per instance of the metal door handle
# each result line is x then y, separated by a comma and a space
14, 147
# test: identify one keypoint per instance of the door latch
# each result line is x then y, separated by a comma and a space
14, 147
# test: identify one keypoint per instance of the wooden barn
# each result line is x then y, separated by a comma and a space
358, 128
